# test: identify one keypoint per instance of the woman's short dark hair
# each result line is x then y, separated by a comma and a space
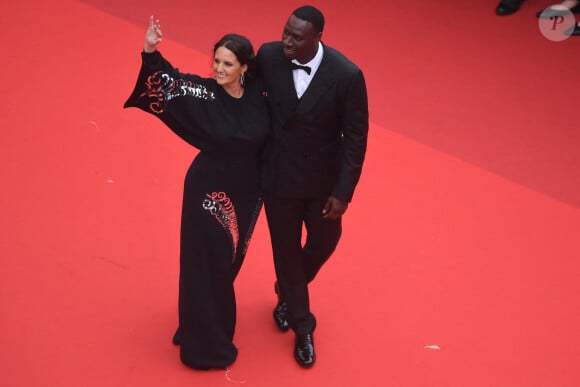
242, 49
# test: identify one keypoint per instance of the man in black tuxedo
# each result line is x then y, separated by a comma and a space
319, 111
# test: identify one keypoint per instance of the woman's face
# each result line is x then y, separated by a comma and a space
227, 69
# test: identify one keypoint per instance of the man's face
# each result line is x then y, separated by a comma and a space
299, 40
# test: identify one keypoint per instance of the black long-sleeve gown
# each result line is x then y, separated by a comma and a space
221, 198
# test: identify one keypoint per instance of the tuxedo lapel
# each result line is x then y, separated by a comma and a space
320, 83
286, 98
286, 101
288, 88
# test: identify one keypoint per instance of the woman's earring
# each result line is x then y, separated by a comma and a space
242, 79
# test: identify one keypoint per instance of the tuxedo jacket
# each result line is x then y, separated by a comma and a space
318, 142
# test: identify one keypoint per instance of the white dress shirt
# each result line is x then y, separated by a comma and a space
302, 78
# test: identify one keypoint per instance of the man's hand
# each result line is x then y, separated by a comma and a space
334, 208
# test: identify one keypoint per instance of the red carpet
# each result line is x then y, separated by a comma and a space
464, 233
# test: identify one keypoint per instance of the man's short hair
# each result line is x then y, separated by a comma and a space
312, 15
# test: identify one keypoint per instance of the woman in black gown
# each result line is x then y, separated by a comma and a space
227, 120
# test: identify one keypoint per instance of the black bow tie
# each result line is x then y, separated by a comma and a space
295, 66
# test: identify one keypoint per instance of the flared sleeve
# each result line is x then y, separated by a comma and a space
181, 101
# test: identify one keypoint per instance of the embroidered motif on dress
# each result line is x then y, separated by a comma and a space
163, 88
222, 208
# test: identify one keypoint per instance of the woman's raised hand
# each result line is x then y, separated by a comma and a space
153, 35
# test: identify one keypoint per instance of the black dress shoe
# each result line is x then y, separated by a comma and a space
304, 350
551, 12
280, 312
573, 31
281, 316
507, 7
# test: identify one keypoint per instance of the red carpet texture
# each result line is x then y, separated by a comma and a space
459, 263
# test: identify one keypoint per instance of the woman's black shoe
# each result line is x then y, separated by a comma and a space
176, 338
